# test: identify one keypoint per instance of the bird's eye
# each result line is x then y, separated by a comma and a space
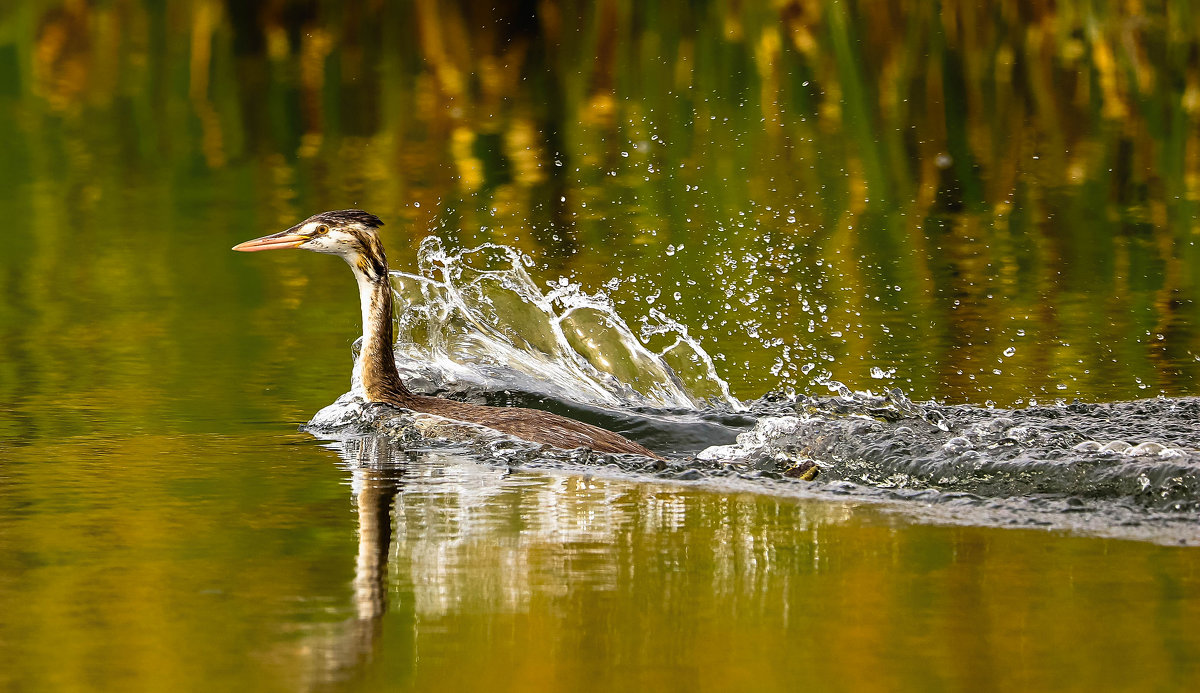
322, 230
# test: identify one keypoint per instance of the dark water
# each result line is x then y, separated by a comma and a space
972, 204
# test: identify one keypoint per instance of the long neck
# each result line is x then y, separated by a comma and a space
376, 365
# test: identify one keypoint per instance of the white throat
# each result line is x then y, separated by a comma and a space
366, 301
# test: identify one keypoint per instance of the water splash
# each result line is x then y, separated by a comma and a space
1041, 467
1137, 454
476, 318
474, 321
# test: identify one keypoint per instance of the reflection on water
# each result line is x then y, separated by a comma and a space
970, 201
470, 575
1003, 205
243, 564
376, 474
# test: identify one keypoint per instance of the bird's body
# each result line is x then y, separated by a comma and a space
352, 235
529, 424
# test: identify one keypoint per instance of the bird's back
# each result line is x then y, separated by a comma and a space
533, 425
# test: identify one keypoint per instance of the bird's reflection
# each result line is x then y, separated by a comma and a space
449, 544
376, 480
377, 467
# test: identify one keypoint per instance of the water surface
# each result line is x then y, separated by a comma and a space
972, 204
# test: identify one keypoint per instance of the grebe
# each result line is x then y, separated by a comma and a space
353, 235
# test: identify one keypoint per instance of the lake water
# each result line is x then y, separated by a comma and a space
983, 207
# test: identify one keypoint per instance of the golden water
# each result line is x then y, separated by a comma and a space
847, 185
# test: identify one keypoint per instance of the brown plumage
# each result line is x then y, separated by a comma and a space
351, 234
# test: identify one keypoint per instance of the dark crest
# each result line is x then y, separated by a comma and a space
343, 217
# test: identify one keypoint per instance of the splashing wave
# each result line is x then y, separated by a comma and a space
473, 323
1132, 452
475, 317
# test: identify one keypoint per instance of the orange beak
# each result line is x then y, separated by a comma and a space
284, 239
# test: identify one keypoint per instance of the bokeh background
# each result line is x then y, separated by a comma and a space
974, 202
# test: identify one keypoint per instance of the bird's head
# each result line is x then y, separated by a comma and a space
349, 233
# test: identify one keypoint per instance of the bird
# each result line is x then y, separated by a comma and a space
353, 235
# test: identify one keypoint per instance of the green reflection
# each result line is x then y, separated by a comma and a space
1031, 163
814, 189
261, 570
